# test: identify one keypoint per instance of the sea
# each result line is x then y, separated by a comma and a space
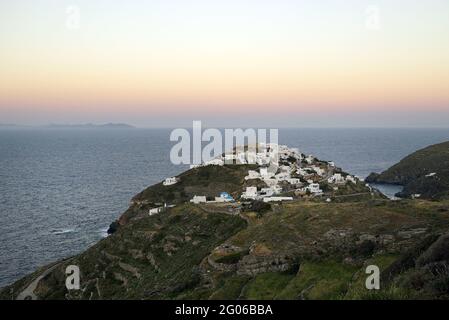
61, 188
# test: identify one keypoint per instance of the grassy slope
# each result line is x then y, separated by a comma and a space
155, 257
300, 229
164, 256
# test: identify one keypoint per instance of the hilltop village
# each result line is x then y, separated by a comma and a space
294, 176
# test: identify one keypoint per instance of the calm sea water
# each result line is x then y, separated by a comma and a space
60, 189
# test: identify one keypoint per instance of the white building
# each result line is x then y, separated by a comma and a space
250, 193
266, 192
170, 181
154, 211
270, 191
252, 175
214, 162
337, 178
294, 181
224, 197
230, 157
265, 174
277, 199
314, 188
198, 199
241, 158
251, 157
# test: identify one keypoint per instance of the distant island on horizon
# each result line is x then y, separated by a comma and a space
72, 126
91, 125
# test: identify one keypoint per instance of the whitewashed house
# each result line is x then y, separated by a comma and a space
337, 178
294, 181
230, 157
214, 162
224, 197
265, 174
154, 211
250, 193
270, 191
277, 199
241, 158
198, 199
314, 188
170, 181
251, 157
252, 174
266, 192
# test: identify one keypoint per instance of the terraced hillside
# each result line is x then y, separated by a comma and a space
308, 248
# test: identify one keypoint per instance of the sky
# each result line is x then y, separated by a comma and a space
228, 63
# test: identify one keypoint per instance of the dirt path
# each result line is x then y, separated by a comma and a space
28, 293
351, 195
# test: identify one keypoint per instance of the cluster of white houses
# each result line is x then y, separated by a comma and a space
262, 154
294, 172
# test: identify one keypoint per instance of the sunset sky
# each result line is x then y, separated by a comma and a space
233, 62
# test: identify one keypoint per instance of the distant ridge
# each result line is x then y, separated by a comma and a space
424, 173
8, 125
92, 126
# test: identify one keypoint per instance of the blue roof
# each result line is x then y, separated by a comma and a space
226, 195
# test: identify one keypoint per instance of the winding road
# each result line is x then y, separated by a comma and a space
28, 293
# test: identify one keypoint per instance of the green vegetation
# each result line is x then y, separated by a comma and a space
424, 172
319, 280
266, 286
231, 288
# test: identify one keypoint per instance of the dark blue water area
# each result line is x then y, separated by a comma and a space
61, 188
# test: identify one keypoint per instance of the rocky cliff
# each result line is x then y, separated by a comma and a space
424, 173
